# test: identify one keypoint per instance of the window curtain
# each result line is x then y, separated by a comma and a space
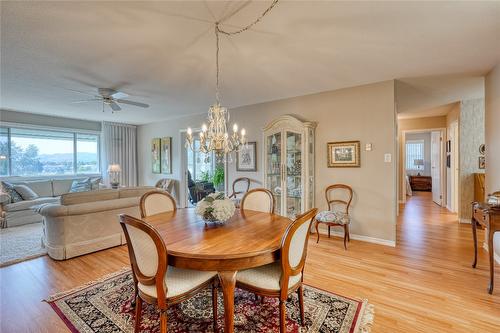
120, 147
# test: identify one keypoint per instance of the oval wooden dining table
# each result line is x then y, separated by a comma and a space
249, 239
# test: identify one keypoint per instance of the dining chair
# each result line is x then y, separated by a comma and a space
283, 277
245, 186
259, 199
333, 216
159, 283
156, 202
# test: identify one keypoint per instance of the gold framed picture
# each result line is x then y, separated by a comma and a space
343, 154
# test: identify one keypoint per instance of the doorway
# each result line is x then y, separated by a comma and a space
424, 163
452, 163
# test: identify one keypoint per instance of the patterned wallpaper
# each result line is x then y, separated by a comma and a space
471, 137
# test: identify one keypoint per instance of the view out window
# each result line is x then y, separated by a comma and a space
4, 151
87, 153
34, 152
414, 155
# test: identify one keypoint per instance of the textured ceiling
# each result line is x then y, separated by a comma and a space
162, 53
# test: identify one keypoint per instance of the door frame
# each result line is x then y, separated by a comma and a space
402, 168
454, 131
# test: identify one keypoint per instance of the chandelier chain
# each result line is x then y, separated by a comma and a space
230, 33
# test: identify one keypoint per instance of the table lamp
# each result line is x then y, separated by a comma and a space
114, 171
418, 162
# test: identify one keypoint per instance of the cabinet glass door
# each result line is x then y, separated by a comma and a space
293, 174
273, 172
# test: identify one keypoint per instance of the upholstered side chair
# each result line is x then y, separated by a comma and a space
284, 277
258, 199
156, 202
338, 211
240, 186
159, 283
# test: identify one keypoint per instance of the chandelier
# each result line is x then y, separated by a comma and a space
215, 137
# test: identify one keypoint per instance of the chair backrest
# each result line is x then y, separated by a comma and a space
245, 182
156, 202
165, 184
294, 246
147, 252
333, 201
259, 199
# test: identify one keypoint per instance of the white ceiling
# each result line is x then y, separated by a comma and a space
162, 53
441, 110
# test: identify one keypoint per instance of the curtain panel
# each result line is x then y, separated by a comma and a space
120, 147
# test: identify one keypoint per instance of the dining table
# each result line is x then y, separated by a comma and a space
248, 239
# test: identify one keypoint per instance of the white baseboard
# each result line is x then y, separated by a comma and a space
495, 255
362, 238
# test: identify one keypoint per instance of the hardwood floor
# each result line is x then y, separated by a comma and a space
425, 284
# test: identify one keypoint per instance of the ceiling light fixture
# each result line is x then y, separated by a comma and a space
215, 137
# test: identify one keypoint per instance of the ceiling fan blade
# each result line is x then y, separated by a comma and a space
106, 92
82, 92
115, 106
118, 95
139, 104
86, 100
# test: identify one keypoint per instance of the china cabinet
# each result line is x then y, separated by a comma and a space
289, 164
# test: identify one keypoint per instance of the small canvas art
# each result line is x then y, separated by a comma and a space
166, 155
246, 159
343, 154
155, 155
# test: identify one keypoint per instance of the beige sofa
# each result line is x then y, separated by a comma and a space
19, 213
88, 221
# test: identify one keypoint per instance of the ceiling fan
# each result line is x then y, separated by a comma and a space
110, 97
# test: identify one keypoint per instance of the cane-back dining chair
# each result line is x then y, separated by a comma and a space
158, 283
240, 187
283, 277
259, 199
156, 202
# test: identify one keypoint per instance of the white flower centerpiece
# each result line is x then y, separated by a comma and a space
215, 207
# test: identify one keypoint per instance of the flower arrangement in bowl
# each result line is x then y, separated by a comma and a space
215, 207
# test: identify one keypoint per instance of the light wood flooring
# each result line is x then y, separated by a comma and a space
424, 284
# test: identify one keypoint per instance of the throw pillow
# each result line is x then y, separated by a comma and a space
94, 183
25, 192
80, 185
9, 189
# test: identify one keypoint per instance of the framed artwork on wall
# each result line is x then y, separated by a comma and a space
166, 155
343, 154
246, 159
155, 155
482, 162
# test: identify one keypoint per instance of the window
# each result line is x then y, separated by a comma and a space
33, 152
415, 155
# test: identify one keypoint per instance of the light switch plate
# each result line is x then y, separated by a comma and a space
368, 147
387, 158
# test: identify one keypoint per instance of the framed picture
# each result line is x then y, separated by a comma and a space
482, 162
166, 155
246, 159
448, 146
155, 155
343, 154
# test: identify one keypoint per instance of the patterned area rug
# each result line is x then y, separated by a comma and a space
21, 243
104, 306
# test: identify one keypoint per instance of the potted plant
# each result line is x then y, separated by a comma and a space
218, 178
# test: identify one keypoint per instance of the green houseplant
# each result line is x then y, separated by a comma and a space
218, 177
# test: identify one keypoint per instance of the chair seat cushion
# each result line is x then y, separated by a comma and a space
179, 281
266, 277
331, 216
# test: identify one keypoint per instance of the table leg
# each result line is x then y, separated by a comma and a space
228, 282
474, 237
492, 260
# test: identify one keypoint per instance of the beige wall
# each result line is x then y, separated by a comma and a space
492, 139
413, 124
364, 113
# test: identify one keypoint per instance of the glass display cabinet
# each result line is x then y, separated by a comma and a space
289, 164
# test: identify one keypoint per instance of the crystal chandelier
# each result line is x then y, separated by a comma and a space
215, 137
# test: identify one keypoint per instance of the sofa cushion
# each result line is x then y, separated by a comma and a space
102, 206
94, 183
61, 186
25, 192
41, 187
130, 192
91, 196
82, 185
27, 204
8, 188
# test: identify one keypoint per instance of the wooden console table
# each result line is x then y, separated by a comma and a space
489, 218
421, 183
